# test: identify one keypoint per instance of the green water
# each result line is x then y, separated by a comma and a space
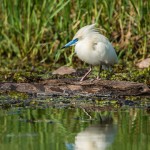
74, 129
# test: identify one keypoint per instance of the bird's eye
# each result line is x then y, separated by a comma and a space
80, 38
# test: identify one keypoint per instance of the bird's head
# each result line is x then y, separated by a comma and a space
80, 35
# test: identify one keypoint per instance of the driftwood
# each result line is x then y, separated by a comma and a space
71, 87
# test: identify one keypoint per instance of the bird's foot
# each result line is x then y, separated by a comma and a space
91, 80
86, 74
94, 79
82, 79
98, 78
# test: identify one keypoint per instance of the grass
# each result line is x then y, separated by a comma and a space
32, 31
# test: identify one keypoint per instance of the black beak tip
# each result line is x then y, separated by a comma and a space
63, 47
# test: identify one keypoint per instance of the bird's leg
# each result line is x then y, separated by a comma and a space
86, 73
100, 69
111, 72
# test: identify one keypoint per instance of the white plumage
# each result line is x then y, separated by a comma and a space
93, 48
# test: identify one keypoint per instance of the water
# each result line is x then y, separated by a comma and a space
74, 129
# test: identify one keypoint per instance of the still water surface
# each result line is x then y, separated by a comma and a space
74, 129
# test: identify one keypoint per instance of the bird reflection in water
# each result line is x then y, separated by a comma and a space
96, 137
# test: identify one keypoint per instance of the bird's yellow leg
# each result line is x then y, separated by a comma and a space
86, 73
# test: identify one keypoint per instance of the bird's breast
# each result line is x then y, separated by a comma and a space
86, 53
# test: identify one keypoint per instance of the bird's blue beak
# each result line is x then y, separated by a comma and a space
73, 42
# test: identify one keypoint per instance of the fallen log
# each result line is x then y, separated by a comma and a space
71, 87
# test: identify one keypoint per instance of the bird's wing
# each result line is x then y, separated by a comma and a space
106, 52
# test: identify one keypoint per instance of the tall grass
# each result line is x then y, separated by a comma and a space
33, 30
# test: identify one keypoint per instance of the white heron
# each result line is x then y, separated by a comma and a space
93, 48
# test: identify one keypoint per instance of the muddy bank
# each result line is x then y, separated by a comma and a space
72, 87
